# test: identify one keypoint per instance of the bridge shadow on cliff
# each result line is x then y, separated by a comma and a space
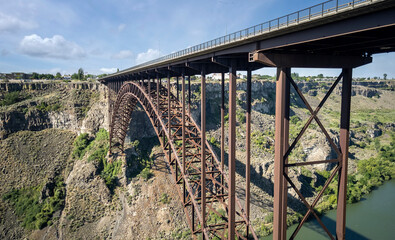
261, 182
140, 155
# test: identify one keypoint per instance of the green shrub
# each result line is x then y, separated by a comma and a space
99, 147
110, 174
45, 107
295, 119
240, 116
165, 199
269, 218
306, 172
11, 98
80, 144
213, 140
146, 174
181, 233
264, 230
226, 117
214, 218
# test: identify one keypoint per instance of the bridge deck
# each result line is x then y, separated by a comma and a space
325, 28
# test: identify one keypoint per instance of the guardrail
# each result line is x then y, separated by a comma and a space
317, 11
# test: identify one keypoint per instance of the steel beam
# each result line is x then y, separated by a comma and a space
189, 95
248, 148
308, 60
109, 102
177, 89
149, 87
169, 114
203, 148
344, 143
183, 135
232, 152
278, 206
157, 92
222, 126
285, 149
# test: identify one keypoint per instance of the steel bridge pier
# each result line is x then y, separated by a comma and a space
283, 149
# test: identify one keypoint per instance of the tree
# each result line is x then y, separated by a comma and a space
35, 76
320, 75
385, 76
295, 76
58, 75
80, 74
102, 75
74, 76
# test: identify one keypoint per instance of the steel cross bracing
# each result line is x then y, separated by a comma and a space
205, 199
288, 149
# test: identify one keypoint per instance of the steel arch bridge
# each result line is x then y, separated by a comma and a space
342, 34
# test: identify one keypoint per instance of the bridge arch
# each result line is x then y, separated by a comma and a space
186, 172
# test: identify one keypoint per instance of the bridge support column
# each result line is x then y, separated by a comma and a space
169, 116
149, 88
189, 95
222, 128
183, 136
110, 103
203, 149
344, 143
232, 152
178, 88
248, 149
281, 143
157, 92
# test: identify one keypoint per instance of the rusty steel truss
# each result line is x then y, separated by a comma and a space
207, 190
337, 35
201, 177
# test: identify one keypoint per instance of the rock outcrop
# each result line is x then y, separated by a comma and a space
81, 108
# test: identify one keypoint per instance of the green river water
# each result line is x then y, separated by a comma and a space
371, 218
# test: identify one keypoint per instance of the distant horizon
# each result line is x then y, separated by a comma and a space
243, 73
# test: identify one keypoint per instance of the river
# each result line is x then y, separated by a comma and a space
371, 218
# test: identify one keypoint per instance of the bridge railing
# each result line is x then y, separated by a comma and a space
311, 13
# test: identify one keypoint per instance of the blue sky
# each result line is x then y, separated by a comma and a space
101, 36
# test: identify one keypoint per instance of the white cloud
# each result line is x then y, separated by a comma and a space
108, 70
121, 27
11, 24
55, 47
122, 54
147, 56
